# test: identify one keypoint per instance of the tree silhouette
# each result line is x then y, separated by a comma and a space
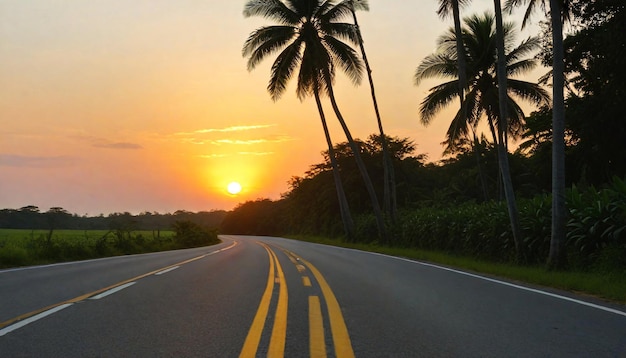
309, 40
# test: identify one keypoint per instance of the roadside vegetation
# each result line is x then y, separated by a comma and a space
555, 207
20, 247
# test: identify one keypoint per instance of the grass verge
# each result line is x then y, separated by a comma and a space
607, 286
38, 247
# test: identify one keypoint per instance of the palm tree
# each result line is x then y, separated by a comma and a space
389, 177
559, 13
482, 98
309, 38
503, 157
447, 8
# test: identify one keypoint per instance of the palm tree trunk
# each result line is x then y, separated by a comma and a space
461, 62
502, 152
496, 144
389, 177
492, 128
344, 208
557, 258
460, 49
481, 173
382, 232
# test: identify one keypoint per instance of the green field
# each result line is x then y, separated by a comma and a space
31, 247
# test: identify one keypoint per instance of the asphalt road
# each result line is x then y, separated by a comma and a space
259, 296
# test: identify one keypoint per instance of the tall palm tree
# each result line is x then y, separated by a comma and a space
389, 177
452, 7
482, 98
503, 155
309, 41
557, 257
560, 11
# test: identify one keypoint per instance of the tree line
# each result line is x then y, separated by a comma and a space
480, 61
30, 217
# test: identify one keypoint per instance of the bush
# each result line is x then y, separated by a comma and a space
11, 255
190, 234
597, 222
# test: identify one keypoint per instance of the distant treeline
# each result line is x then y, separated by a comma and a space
30, 217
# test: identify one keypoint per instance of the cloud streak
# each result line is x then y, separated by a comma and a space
226, 129
219, 142
118, 145
25, 161
256, 154
98, 142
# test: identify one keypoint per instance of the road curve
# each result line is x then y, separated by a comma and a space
263, 296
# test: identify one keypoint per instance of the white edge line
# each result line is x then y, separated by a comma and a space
167, 270
32, 319
111, 291
24, 268
41, 315
553, 295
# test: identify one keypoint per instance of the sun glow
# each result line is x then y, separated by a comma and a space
233, 188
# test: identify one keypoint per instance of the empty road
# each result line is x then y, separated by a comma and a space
262, 296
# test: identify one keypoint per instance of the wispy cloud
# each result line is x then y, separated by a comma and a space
218, 142
118, 145
211, 156
257, 154
26, 161
238, 141
226, 129
270, 139
98, 142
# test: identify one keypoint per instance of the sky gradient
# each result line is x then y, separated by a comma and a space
147, 105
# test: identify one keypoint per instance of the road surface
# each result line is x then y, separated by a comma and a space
261, 296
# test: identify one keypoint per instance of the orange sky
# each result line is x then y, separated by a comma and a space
116, 105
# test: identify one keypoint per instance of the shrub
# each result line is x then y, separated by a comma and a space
596, 228
11, 255
190, 234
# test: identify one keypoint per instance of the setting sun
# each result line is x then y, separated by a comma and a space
234, 188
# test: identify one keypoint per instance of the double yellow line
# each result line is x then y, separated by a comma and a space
317, 344
279, 331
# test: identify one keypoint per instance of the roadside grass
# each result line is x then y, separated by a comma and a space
604, 285
36, 247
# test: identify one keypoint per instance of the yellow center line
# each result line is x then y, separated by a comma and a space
339, 330
251, 343
341, 338
306, 281
87, 295
279, 331
316, 329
